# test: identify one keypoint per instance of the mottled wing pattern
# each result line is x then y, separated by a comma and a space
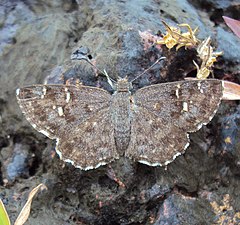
78, 117
163, 114
90, 144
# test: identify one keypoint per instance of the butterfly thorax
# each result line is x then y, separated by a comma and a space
123, 85
120, 109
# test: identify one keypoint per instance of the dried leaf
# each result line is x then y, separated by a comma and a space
24, 214
208, 57
231, 91
174, 36
233, 24
4, 219
202, 72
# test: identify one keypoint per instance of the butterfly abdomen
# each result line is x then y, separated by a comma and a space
121, 120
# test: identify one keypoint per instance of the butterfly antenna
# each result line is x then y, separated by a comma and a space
149, 68
104, 72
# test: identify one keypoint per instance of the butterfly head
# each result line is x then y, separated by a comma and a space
123, 85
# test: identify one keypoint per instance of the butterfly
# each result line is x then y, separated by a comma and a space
93, 127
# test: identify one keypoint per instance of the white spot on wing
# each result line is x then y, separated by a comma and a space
90, 108
185, 106
68, 96
17, 91
199, 85
44, 90
60, 111
177, 93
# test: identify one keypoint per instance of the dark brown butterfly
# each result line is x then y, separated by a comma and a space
93, 127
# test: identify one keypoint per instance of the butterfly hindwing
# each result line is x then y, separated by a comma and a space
90, 144
153, 141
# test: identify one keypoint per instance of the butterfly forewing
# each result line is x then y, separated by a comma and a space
70, 114
164, 113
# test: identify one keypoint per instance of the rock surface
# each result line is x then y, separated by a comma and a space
37, 39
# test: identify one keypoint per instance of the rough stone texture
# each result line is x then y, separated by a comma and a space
199, 187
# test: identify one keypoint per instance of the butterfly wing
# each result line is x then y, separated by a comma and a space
163, 114
78, 117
